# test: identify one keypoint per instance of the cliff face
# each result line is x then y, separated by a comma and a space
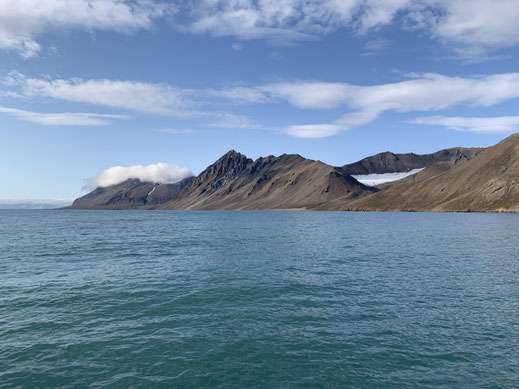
389, 162
487, 182
285, 182
130, 194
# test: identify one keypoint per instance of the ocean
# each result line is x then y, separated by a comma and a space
195, 299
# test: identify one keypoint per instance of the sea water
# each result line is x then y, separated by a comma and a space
218, 299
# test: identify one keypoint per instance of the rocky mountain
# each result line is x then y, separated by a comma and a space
487, 182
130, 194
389, 162
284, 182
458, 179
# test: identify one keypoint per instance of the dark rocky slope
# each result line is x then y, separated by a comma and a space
130, 194
390, 163
284, 182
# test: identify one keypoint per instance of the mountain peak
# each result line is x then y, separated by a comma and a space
230, 159
226, 168
232, 153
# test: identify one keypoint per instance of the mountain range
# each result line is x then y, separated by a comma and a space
457, 179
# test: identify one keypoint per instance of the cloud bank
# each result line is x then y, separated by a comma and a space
22, 21
470, 30
142, 97
137, 96
362, 104
420, 93
160, 173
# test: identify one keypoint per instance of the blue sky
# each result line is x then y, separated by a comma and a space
88, 85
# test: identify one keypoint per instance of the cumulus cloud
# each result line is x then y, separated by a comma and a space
62, 119
498, 124
160, 173
474, 28
22, 21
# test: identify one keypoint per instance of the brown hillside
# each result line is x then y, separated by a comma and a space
488, 182
390, 162
130, 194
285, 182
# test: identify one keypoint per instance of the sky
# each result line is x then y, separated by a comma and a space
92, 91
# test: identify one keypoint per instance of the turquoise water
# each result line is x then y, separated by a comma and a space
258, 299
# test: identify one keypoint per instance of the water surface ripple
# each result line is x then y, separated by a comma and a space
258, 299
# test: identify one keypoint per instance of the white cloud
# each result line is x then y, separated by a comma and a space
131, 95
476, 26
361, 104
62, 119
287, 21
235, 94
430, 91
315, 95
426, 92
152, 98
313, 130
470, 27
161, 173
247, 19
376, 13
22, 21
499, 124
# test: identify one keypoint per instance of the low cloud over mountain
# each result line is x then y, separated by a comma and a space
160, 173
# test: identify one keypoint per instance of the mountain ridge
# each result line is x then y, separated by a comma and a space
130, 194
388, 162
285, 182
487, 183
456, 179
